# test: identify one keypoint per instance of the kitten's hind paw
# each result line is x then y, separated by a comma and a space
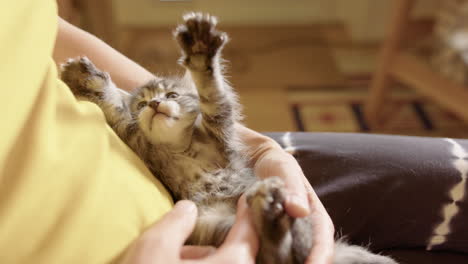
83, 78
266, 200
199, 40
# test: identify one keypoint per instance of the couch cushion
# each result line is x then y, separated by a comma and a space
388, 191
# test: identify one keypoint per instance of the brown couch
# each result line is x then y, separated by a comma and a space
390, 192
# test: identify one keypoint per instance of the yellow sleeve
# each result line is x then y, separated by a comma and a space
70, 190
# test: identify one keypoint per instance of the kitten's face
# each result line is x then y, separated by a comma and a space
164, 109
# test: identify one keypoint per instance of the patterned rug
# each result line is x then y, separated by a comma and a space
338, 109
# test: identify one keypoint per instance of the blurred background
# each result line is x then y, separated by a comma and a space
373, 66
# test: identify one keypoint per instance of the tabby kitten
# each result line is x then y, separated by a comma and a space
183, 129
450, 54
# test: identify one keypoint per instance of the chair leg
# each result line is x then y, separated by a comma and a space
382, 75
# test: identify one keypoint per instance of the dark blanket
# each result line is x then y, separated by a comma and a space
390, 192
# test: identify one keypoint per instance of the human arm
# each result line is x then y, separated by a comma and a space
72, 42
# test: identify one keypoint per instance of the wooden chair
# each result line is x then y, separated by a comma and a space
396, 64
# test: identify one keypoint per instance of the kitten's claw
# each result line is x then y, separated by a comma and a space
83, 77
199, 40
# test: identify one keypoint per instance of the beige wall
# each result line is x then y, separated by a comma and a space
365, 18
231, 11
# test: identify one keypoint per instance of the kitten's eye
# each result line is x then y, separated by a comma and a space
172, 95
141, 104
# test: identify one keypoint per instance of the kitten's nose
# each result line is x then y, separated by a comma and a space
154, 104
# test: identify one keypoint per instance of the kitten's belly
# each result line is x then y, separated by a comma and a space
199, 181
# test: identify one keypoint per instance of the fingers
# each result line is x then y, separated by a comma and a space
196, 252
242, 230
298, 198
284, 165
297, 204
241, 243
166, 237
322, 252
294, 204
176, 225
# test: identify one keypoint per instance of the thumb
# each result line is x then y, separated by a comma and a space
241, 241
167, 236
177, 225
242, 230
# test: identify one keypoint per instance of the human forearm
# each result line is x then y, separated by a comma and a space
73, 42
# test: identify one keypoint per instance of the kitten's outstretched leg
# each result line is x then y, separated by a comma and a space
89, 83
201, 46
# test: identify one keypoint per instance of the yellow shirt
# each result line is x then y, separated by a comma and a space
70, 190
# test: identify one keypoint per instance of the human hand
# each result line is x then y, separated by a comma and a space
269, 159
301, 201
164, 241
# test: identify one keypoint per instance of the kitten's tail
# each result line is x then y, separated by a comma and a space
349, 254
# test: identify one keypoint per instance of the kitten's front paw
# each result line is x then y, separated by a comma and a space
83, 78
199, 40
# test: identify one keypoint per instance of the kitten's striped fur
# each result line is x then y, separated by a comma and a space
183, 129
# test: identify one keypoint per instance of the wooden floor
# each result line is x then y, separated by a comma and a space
263, 62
